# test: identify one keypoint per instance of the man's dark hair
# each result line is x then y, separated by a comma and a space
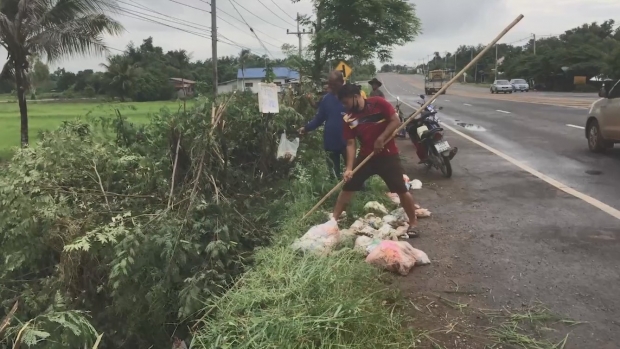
348, 90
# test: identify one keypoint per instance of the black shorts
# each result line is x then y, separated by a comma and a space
387, 167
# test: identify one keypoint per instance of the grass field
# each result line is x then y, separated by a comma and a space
47, 116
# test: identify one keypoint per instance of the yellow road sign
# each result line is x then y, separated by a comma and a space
345, 69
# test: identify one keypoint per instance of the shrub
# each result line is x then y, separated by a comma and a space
139, 226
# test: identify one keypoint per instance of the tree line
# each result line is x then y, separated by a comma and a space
590, 50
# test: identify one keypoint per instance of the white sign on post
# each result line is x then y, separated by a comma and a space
268, 98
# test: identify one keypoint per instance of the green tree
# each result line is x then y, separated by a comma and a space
51, 29
363, 29
38, 75
123, 74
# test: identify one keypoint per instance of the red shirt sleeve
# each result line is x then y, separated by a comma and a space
386, 107
347, 132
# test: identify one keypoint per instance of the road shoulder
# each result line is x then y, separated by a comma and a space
503, 239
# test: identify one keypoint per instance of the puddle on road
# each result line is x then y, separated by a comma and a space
594, 172
471, 127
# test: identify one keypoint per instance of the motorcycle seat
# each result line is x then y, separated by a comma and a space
429, 133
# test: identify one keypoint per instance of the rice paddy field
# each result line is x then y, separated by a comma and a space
49, 115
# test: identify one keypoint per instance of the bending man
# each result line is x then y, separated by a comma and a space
372, 121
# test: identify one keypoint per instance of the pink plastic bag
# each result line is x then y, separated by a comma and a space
396, 256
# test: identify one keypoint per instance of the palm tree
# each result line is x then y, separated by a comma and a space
52, 29
122, 73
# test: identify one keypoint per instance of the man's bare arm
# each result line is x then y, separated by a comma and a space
351, 148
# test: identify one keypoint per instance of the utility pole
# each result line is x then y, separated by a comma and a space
534, 35
214, 46
455, 62
496, 46
299, 34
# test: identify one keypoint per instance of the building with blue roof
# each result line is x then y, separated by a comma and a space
249, 78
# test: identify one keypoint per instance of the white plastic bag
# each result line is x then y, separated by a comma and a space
287, 149
375, 207
319, 239
365, 244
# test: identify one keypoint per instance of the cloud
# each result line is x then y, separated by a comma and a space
446, 24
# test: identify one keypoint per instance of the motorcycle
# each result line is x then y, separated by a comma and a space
425, 129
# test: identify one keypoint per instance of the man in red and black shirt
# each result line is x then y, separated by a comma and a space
372, 121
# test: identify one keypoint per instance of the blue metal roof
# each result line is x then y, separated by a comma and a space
259, 73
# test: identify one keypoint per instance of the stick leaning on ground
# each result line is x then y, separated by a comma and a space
423, 107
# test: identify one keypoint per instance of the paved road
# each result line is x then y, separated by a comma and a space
576, 100
500, 228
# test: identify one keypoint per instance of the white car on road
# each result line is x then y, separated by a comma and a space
603, 125
503, 86
520, 85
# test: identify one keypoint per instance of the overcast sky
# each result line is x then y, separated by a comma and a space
446, 24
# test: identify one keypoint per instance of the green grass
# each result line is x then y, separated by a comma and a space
46, 116
288, 300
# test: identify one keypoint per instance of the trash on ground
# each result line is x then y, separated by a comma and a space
375, 207
396, 256
319, 239
286, 149
393, 197
422, 213
373, 221
415, 184
343, 215
365, 244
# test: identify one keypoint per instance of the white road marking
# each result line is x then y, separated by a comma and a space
575, 126
557, 184
469, 105
447, 100
503, 111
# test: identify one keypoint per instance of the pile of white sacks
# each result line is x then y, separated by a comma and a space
376, 235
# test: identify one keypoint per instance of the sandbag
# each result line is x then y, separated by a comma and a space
319, 239
396, 256
286, 149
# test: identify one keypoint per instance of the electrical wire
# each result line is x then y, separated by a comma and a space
182, 21
286, 13
225, 21
275, 14
232, 2
205, 36
250, 12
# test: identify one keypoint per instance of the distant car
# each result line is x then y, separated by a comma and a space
519, 85
603, 125
503, 86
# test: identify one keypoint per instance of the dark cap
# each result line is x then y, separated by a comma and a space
375, 82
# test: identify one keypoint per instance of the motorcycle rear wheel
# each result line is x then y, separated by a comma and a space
442, 163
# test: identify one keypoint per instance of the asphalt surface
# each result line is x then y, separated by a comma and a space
500, 229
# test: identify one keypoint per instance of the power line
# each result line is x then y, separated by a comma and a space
232, 2
205, 36
275, 14
182, 21
171, 19
250, 12
177, 21
225, 21
278, 6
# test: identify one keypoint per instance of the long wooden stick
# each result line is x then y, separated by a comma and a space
423, 107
